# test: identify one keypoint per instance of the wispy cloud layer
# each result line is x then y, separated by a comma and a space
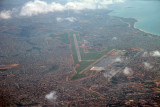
70, 19
37, 7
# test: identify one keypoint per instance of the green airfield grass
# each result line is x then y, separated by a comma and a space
83, 65
89, 72
94, 95
62, 37
78, 76
94, 55
85, 56
90, 56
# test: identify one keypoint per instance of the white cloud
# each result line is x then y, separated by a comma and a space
155, 53
118, 59
100, 1
59, 19
127, 71
145, 54
106, 2
5, 14
79, 5
51, 96
70, 19
37, 6
147, 65
114, 38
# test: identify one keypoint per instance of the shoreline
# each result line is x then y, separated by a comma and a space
143, 29
134, 26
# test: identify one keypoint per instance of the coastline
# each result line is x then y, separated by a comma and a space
134, 26
142, 29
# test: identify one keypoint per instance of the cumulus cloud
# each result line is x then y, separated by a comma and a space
59, 19
147, 65
37, 6
127, 71
51, 96
70, 19
5, 14
114, 38
155, 53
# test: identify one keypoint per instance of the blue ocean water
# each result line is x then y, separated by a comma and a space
147, 12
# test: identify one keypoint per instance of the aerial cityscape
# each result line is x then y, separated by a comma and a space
77, 53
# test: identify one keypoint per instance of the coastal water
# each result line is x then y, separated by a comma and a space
147, 12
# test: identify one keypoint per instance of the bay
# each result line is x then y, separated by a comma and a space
146, 12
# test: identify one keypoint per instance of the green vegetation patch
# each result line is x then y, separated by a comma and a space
34, 48
91, 56
92, 50
83, 65
94, 95
78, 76
62, 37
107, 50
15, 55
2, 56
53, 68
89, 72
29, 42
3, 69
130, 52
94, 72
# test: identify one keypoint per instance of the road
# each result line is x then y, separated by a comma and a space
77, 48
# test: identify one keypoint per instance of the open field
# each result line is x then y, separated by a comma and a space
84, 60
62, 37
